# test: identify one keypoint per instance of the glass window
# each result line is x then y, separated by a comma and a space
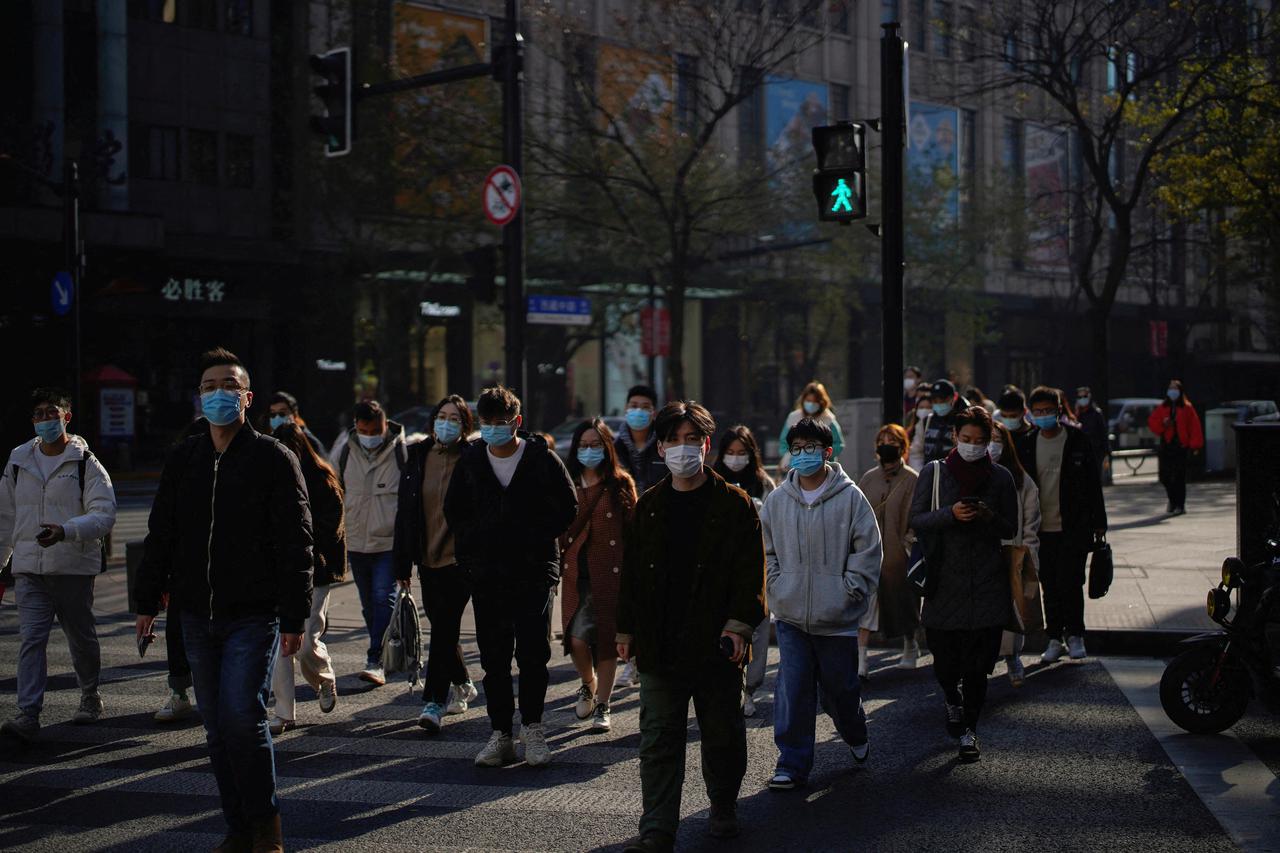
919, 25
889, 12
839, 102
1013, 147
200, 14
240, 17
751, 116
239, 161
838, 15
968, 33
153, 152
202, 157
942, 28
686, 92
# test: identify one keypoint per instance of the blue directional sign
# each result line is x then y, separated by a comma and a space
62, 293
560, 310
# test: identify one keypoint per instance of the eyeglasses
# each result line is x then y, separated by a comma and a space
225, 385
497, 423
1041, 413
596, 446
811, 447
48, 414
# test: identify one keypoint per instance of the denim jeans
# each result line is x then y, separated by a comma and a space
809, 661
376, 582
231, 662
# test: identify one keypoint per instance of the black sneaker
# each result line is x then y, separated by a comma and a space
955, 720
969, 751
649, 844
724, 821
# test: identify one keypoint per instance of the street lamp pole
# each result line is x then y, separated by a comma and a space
513, 232
894, 128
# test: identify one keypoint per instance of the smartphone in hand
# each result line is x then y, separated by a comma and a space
143, 642
45, 534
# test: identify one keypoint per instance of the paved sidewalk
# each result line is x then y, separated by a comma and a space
1164, 565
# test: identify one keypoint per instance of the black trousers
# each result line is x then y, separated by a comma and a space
445, 593
176, 651
513, 623
962, 660
1173, 474
1062, 577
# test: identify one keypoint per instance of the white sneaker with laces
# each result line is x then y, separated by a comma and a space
374, 674
1075, 648
536, 751
629, 676
586, 703
178, 707
601, 721
910, 655
1054, 652
279, 725
498, 752
328, 697
460, 698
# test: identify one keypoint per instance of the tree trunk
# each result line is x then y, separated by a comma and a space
1100, 380
675, 362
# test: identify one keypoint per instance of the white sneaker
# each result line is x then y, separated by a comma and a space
279, 725
429, 719
601, 721
910, 656
498, 752
748, 705
586, 703
1054, 652
328, 697
1075, 646
629, 676
374, 675
178, 707
536, 751
460, 698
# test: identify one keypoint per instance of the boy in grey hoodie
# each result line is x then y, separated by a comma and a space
822, 552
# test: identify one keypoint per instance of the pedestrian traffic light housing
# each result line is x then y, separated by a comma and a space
335, 93
840, 181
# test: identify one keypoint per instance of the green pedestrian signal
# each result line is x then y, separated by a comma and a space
839, 182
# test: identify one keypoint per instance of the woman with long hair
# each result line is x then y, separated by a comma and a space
423, 539
1023, 548
814, 402
591, 566
1177, 425
329, 566
894, 608
739, 462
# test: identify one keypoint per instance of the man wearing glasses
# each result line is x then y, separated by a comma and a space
56, 508
692, 593
230, 539
509, 499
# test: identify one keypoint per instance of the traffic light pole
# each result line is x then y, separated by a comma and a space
893, 120
513, 231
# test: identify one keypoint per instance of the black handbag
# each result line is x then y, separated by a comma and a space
1102, 569
922, 580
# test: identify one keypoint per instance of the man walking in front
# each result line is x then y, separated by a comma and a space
822, 547
230, 538
692, 593
56, 508
509, 499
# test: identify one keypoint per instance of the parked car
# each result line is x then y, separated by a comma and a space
1127, 422
563, 434
1254, 411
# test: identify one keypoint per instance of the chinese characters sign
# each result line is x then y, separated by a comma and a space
193, 290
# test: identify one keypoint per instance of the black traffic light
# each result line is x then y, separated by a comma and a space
335, 125
840, 181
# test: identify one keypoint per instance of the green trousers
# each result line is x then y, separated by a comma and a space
716, 691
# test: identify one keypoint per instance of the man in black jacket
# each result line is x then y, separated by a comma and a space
509, 500
230, 539
1059, 458
935, 436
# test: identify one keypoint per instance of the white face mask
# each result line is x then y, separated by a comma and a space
683, 460
972, 452
908, 384
736, 463
994, 449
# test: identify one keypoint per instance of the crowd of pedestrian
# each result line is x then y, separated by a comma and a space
675, 565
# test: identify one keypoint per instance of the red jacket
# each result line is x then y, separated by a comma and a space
1185, 421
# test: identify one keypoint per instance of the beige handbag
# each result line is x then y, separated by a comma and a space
1024, 582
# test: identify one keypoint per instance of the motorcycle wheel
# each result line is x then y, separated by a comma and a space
1194, 704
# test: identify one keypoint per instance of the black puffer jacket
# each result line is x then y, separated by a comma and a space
507, 537
230, 536
972, 584
1084, 512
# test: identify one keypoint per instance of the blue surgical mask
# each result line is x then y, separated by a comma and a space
808, 462
811, 408
942, 409
496, 435
590, 457
369, 442
278, 421
1174, 393
1082, 402
1011, 424
447, 431
639, 419
1045, 421
220, 407
50, 431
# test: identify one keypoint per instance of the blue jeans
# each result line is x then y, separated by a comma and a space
376, 582
808, 662
231, 662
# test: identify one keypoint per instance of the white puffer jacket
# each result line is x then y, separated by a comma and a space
25, 503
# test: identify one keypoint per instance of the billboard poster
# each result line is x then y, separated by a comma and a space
636, 92
792, 108
933, 157
1047, 172
426, 40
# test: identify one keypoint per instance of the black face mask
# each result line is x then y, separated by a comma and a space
888, 453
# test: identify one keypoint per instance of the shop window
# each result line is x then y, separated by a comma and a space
202, 157
239, 161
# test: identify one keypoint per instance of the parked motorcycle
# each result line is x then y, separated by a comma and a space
1207, 688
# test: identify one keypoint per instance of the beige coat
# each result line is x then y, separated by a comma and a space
891, 500
371, 482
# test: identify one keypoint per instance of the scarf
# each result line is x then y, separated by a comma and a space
969, 476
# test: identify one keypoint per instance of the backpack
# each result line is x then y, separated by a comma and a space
402, 644
81, 466
402, 459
